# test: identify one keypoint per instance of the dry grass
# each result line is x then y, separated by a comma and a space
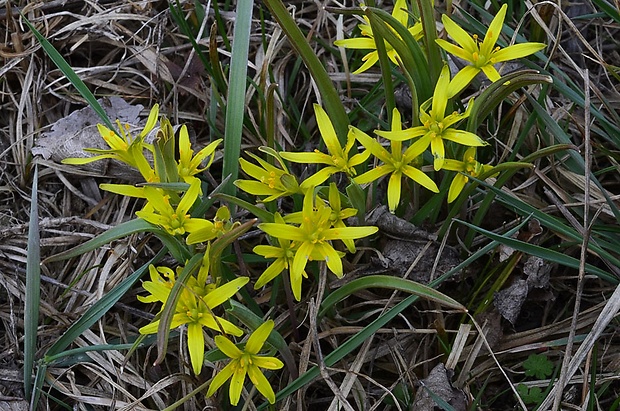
135, 51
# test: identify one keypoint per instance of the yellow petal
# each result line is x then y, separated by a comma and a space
517, 51
195, 346
495, 28
258, 337
227, 347
261, 383
393, 191
220, 378
236, 384
459, 35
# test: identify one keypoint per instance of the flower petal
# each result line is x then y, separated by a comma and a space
270, 273
327, 131
220, 378
460, 36
261, 383
495, 28
286, 231
456, 187
463, 137
421, 178
224, 292
393, 191
227, 347
196, 346
374, 174
258, 337
360, 43
517, 51
462, 80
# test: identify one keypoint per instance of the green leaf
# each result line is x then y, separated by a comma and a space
66, 69
544, 253
33, 286
539, 366
235, 102
493, 95
532, 395
392, 283
122, 230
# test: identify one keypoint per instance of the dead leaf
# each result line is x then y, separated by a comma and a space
438, 384
401, 255
510, 300
538, 272
396, 226
70, 135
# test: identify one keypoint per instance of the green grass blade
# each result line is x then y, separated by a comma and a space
392, 283
33, 286
544, 253
331, 98
122, 230
235, 102
493, 95
406, 46
100, 308
66, 69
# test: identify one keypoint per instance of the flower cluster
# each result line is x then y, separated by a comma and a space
309, 220
437, 128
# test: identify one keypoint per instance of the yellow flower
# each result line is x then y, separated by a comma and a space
194, 308
189, 166
176, 221
312, 238
221, 225
338, 158
483, 56
469, 166
246, 362
397, 163
269, 180
123, 148
436, 126
368, 42
283, 255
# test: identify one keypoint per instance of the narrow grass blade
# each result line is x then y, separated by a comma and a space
120, 231
406, 46
33, 286
99, 309
66, 69
544, 253
386, 70
331, 98
392, 283
235, 103
493, 95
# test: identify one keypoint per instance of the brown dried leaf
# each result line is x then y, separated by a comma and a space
439, 383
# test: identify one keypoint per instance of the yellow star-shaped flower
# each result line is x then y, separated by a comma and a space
483, 56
